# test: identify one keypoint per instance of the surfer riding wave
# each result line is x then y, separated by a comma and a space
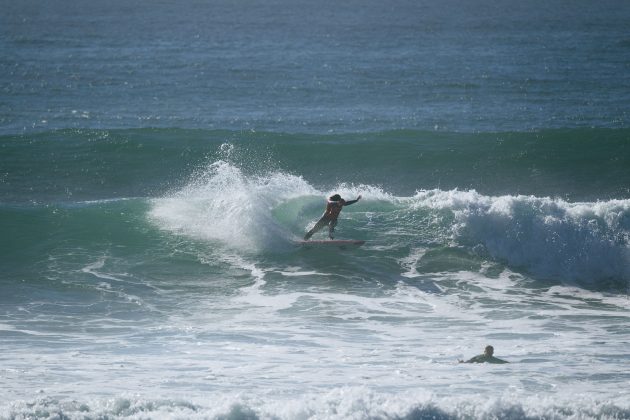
333, 207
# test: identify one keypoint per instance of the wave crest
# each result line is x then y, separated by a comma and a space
548, 237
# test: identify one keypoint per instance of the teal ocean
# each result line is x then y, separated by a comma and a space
159, 162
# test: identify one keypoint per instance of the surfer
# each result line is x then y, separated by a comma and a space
486, 357
333, 208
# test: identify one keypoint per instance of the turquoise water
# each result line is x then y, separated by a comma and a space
159, 161
68, 165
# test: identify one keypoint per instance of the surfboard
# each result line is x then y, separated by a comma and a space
332, 242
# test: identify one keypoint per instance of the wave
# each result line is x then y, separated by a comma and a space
587, 243
550, 238
261, 191
580, 243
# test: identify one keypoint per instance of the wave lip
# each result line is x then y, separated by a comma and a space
551, 238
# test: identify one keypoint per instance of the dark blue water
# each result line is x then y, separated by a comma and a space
314, 66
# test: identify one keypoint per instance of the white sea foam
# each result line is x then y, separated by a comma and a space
339, 403
409, 263
551, 238
329, 352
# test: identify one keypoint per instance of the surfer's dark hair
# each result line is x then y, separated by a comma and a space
335, 197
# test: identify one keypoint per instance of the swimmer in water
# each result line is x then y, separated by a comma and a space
486, 357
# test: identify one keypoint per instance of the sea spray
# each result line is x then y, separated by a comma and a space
220, 203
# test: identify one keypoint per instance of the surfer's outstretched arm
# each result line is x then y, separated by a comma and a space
347, 203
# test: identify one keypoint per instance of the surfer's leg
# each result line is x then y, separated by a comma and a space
320, 224
331, 229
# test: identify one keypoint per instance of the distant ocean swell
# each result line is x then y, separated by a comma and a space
573, 164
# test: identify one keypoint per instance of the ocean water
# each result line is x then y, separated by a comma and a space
159, 160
